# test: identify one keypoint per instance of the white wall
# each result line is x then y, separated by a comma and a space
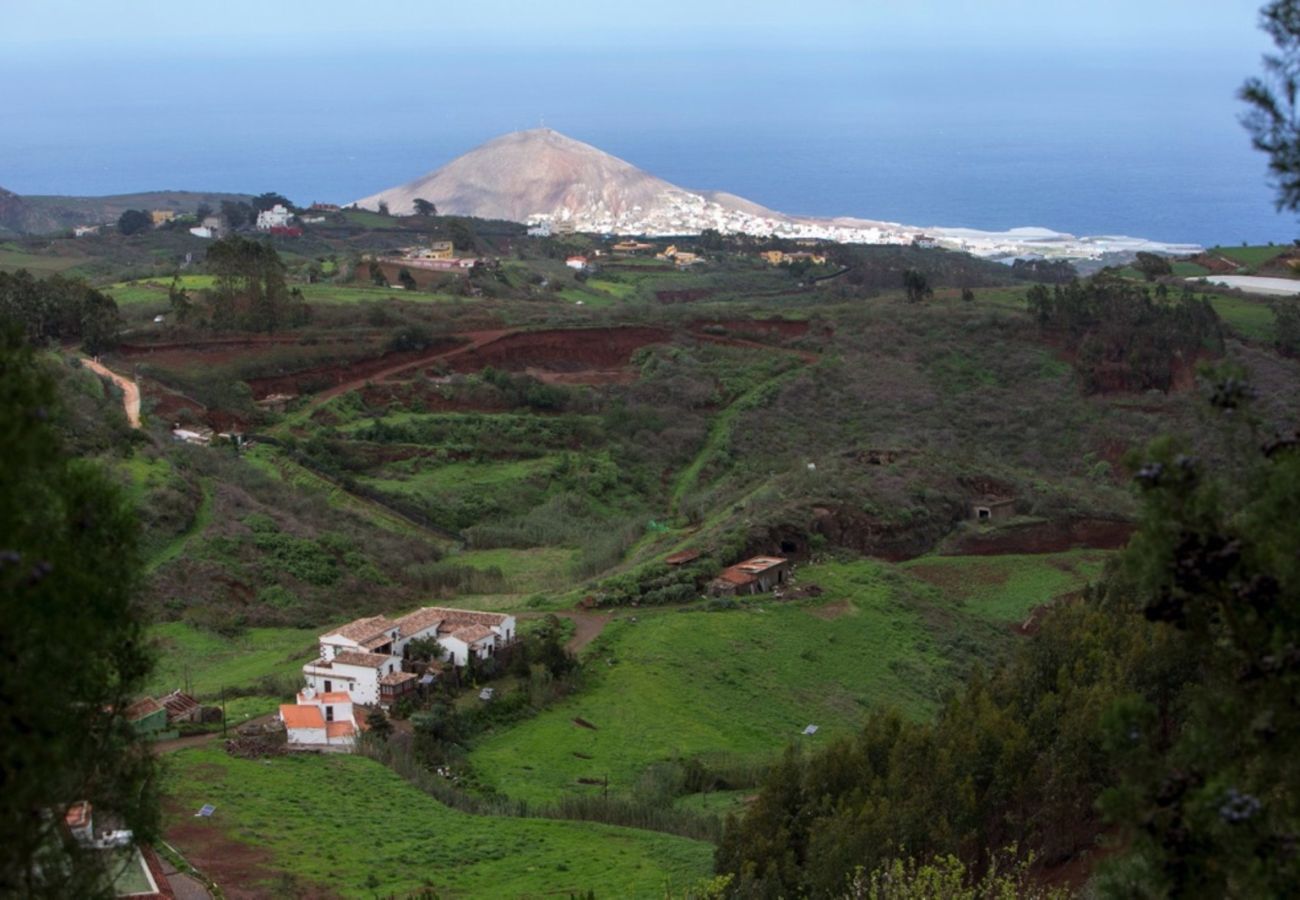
365, 682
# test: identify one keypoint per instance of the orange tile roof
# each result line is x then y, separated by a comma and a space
420, 620
682, 557
398, 677
458, 617
145, 706
334, 697
472, 634
361, 629
295, 716
364, 660
339, 729
78, 814
734, 575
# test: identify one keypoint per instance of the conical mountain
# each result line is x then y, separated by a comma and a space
543, 174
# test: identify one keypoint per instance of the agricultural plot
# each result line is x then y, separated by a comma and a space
1252, 319
669, 685
349, 826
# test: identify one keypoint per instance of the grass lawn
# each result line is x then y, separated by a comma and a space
352, 826
212, 661
434, 477
671, 685
1252, 319
1005, 588
39, 264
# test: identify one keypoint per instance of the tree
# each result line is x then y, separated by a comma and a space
378, 724
406, 279
202, 211
967, 295
377, 276
250, 291
1152, 265
236, 214
59, 308
424, 207
1286, 328
1273, 119
73, 646
917, 285
134, 221
383, 207
263, 202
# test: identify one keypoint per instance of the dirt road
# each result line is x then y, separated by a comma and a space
130, 390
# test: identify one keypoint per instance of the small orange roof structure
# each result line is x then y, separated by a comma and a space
472, 634
145, 706
334, 697
339, 729
682, 557
78, 814
295, 716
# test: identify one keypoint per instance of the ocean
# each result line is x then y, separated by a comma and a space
1146, 145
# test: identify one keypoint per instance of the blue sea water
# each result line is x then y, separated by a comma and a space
1145, 144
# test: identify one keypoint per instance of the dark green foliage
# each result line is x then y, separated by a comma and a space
1211, 807
379, 727
237, 214
1152, 265
59, 309
406, 279
250, 293
1286, 328
377, 276
1272, 118
1126, 337
424, 207
134, 221
1046, 271
263, 202
72, 645
916, 285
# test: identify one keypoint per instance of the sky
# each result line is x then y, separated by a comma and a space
105, 27
1104, 116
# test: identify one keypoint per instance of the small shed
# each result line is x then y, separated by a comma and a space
989, 509
148, 717
756, 575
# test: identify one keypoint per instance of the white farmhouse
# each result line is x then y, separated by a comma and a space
320, 721
576, 262
364, 658
275, 217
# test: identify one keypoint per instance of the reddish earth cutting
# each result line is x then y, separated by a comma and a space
242, 871
1047, 537
305, 381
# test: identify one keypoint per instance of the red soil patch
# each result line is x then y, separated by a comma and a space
1048, 537
954, 579
316, 378
242, 871
581, 355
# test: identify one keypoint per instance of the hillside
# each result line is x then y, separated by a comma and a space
41, 214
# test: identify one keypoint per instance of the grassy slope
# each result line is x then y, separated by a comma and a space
1007, 588
213, 661
341, 820
742, 682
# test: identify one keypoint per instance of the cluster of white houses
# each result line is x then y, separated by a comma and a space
363, 663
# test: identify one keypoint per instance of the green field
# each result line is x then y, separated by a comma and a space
525, 571
1252, 319
211, 662
39, 264
669, 685
356, 829
1250, 257
329, 293
1006, 588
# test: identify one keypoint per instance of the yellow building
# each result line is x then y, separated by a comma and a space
775, 257
159, 216
442, 250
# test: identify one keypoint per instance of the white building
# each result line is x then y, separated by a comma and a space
84, 230
320, 721
576, 262
364, 658
275, 217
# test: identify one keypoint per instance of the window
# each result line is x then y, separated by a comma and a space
329, 714
329, 686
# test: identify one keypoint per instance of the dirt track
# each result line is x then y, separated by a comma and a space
130, 391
